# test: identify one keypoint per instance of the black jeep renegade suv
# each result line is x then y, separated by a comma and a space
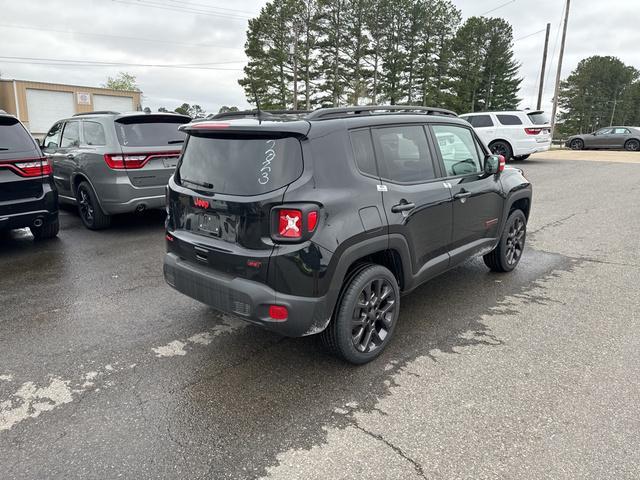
319, 222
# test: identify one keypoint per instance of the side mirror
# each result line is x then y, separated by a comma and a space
494, 164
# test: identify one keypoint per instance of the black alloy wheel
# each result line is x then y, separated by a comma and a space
632, 145
89, 209
366, 315
576, 144
515, 241
508, 253
501, 148
373, 315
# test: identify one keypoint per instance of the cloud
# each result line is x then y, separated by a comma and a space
594, 28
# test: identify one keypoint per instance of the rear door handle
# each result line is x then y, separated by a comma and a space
403, 207
70, 156
462, 194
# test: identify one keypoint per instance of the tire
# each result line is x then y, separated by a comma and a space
89, 209
576, 144
632, 145
500, 147
507, 254
372, 295
46, 230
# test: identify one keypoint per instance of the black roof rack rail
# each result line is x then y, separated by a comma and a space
341, 112
255, 113
100, 112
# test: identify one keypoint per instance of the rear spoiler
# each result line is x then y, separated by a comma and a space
247, 127
153, 117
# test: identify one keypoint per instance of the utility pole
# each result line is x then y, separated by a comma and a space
544, 66
559, 73
613, 114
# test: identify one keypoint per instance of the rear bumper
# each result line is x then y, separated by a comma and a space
246, 299
24, 212
531, 147
117, 194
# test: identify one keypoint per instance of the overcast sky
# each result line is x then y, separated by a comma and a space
213, 33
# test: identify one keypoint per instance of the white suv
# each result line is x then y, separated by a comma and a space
515, 134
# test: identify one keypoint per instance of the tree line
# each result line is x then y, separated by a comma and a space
308, 53
600, 92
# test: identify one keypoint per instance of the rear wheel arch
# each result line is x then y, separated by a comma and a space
391, 252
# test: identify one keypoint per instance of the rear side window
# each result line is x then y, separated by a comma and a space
240, 166
404, 154
70, 135
539, 118
363, 152
509, 119
149, 131
14, 137
480, 121
93, 133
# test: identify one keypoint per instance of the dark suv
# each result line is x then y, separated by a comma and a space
319, 222
27, 195
109, 163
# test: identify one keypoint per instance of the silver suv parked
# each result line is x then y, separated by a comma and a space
109, 163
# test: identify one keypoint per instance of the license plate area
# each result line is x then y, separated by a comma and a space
170, 162
209, 223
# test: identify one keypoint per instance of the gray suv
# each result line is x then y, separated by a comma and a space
110, 163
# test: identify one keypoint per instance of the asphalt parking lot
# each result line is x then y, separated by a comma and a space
105, 372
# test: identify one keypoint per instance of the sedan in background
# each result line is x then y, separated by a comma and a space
612, 138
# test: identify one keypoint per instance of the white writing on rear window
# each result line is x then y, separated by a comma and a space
269, 156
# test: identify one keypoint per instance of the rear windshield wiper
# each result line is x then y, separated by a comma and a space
173, 142
206, 185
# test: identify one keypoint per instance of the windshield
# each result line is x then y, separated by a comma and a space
150, 131
539, 118
240, 166
13, 137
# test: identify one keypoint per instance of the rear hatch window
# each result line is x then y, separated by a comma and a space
539, 118
14, 138
240, 166
150, 130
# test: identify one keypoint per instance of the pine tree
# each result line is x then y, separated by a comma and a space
485, 74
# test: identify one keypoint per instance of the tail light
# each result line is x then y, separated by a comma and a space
294, 223
502, 164
133, 161
29, 167
532, 131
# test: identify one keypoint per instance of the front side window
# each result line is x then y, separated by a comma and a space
603, 131
363, 152
458, 149
509, 119
404, 154
480, 121
93, 133
52, 140
71, 135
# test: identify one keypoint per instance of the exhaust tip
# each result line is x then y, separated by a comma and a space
141, 208
37, 222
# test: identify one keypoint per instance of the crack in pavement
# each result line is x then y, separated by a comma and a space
418, 468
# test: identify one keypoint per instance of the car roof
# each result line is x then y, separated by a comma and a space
302, 122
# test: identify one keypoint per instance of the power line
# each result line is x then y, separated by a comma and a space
498, 7
120, 37
92, 63
163, 6
182, 3
530, 35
